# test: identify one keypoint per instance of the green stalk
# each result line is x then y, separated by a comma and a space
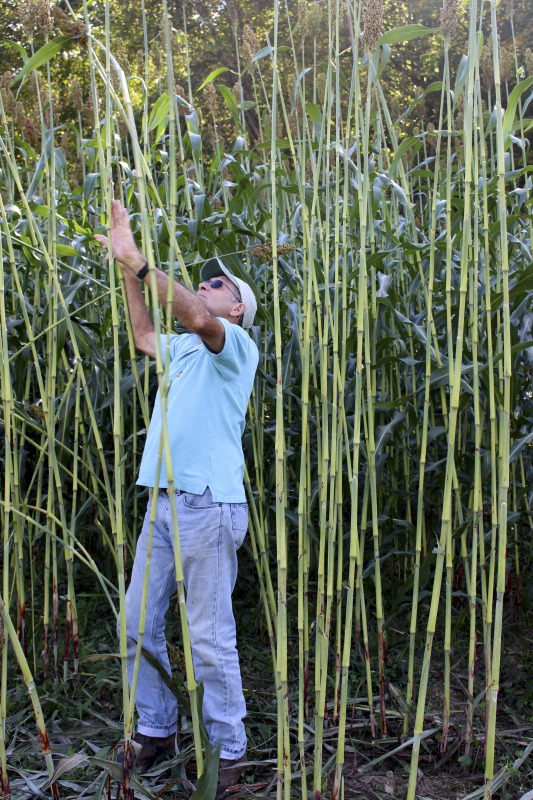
455, 388
7, 408
32, 691
283, 762
505, 418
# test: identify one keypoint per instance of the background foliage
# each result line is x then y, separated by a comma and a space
382, 211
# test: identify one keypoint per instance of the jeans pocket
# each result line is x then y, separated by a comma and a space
239, 522
204, 500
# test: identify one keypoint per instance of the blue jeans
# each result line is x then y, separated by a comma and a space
210, 535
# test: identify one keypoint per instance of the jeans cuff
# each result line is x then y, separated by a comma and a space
232, 755
157, 731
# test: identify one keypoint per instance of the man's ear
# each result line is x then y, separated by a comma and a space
238, 310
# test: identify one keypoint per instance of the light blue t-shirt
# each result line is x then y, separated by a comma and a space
206, 406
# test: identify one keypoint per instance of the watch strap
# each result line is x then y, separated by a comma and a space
143, 271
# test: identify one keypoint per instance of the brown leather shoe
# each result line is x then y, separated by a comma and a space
229, 774
152, 748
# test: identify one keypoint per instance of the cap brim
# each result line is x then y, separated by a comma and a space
214, 268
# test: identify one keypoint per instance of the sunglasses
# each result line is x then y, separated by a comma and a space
216, 283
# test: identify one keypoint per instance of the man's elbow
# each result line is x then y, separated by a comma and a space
145, 343
203, 323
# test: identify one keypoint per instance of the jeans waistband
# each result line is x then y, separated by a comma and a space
164, 490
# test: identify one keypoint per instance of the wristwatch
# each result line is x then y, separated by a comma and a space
143, 271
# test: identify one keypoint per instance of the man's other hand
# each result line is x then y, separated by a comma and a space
123, 244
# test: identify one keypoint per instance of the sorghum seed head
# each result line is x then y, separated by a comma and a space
529, 61
211, 97
507, 64
6, 78
302, 14
43, 19
233, 11
70, 27
315, 15
250, 46
372, 22
9, 102
341, 10
486, 66
26, 13
121, 54
88, 109
448, 18
310, 18
139, 61
75, 93
19, 113
236, 90
31, 131
264, 251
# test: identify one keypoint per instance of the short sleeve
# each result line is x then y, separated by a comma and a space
171, 342
239, 353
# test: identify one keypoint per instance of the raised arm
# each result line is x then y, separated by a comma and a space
185, 305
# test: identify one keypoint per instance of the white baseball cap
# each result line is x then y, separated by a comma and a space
213, 268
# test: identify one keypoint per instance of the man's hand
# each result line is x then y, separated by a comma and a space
123, 244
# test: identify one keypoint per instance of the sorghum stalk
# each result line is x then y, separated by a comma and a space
6, 393
352, 464
420, 516
32, 691
505, 419
105, 167
327, 466
455, 389
477, 492
283, 763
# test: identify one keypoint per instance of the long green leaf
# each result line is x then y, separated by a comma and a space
514, 97
212, 75
42, 56
231, 103
405, 34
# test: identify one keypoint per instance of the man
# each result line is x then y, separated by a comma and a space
211, 372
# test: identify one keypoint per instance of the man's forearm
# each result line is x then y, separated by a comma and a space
141, 322
185, 305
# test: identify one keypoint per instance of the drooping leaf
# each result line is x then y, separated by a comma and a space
231, 102
212, 75
512, 103
159, 111
405, 34
263, 53
42, 56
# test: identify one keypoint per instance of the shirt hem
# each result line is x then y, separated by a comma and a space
217, 498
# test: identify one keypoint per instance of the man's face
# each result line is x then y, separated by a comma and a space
221, 297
